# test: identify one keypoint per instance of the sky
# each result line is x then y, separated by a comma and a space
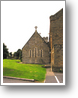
18, 19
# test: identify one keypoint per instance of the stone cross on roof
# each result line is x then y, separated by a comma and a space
36, 28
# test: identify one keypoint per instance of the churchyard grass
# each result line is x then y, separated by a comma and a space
14, 68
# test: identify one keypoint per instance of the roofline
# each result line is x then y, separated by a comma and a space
31, 37
56, 15
28, 40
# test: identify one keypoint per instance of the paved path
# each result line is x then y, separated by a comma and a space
52, 77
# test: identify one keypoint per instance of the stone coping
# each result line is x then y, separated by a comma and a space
19, 78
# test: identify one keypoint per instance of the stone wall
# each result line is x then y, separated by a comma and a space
36, 50
56, 30
58, 55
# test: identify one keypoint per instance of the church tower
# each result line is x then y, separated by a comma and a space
56, 39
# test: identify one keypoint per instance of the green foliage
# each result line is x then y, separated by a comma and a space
30, 71
10, 54
18, 54
5, 51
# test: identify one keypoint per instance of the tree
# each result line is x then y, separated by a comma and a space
18, 54
10, 54
5, 51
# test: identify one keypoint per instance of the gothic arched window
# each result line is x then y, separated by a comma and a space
41, 53
30, 53
35, 52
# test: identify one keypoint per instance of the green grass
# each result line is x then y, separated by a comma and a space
29, 71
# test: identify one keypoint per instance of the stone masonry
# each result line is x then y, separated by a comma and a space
36, 50
56, 32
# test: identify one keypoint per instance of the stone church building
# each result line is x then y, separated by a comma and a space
36, 50
39, 50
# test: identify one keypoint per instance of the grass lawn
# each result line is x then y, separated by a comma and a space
30, 71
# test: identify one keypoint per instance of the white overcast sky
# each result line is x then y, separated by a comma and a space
18, 19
